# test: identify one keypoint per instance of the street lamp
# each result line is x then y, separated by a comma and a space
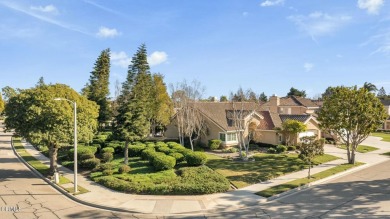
75, 141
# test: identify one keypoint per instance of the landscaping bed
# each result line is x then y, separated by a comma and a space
264, 167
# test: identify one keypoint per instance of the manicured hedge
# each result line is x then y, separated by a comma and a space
83, 153
178, 156
136, 150
196, 158
108, 150
214, 144
148, 153
163, 162
281, 149
90, 163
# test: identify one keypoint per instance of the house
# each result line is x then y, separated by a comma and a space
260, 125
386, 124
291, 105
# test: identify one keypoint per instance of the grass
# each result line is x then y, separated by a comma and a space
303, 181
361, 148
81, 190
265, 167
384, 136
38, 165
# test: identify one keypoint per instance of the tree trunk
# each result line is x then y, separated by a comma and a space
349, 154
53, 151
126, 151
309, 170
352, 161
191, 143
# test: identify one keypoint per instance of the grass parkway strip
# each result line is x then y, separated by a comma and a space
42, 168
303, 181
361, 148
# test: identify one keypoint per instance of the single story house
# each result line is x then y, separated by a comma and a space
260, 123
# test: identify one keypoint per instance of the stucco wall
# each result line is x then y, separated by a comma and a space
268, 137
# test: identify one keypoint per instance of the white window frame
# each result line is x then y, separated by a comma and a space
229, 139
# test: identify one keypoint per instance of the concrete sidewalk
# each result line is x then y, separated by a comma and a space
169, 205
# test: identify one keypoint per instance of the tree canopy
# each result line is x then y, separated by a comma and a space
290, 128
370, 87
295, 92
351, 114
1, 104
35, 116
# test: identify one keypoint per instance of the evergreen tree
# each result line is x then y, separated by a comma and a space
135, 104
41, 82
381, 93
295, 92
263, 97
97, 89
223, 99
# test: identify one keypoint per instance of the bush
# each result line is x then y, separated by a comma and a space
108, 150
90, 163
271, 150
265, 145
106, 166
281, 149
108, 172
107, 157
117, 145
230, 150
214, 144
83, 152
253, 146
136, 150
163, 149
322, 141
243, 154
291, 148
163, 162
196, 158
124, 169
147, 153
178, 156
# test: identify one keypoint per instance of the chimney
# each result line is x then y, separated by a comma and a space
274, 102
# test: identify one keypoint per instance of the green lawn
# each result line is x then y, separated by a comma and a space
303, 181
384, 136
40, 167
265, 167
361, 148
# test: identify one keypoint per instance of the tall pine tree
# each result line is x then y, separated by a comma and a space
97, 89
135, 102
381, 93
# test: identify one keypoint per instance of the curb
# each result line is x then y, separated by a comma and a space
61, 190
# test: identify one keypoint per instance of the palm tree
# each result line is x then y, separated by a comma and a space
370, 87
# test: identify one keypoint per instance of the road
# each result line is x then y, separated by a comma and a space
363, 194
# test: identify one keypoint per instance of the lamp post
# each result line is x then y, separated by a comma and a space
75, 141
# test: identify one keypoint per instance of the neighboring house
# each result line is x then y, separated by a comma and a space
386, 124
220, 121
291, 105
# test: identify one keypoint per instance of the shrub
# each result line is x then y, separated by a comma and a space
136, 150
265, 145
291, 148
230, 150
106, 166
322, 141
253, 146
90, 163
107, 157
243, 154
124, 169
108, 150
196, 158
178, 156
281, 149
214, 144
163, 149
108, 172
163, 162
271, 150
147, 153
83, 152
117, 145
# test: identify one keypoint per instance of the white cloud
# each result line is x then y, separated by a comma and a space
157, 58
105, 32
46, 9
120, 59
319, 24
308, 66
372, 6
268, 3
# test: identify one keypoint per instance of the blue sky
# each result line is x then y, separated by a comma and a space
266, 45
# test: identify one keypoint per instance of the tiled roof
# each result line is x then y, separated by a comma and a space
221, 113
301, 118
305, 102
386, 102
295, 101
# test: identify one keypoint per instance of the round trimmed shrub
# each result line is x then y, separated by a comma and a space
108, 150
230, 150
163, 149
136, 150
124, 169
90, 163
271, 150
83, 153
281, 149
147, 153
196, 158
179, 157
106, 166
214, 144
163, 162
108, 172
107, 157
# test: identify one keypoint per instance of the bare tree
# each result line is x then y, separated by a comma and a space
189, 121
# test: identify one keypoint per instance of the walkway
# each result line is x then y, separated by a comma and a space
241, 198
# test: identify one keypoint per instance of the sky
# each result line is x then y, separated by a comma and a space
266, 45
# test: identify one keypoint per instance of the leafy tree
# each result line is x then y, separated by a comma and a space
370, 87
239, 96
97, 89
263, 97
310, 148
381, 93
162, 106
290, 128
252, 96
1, 104
351, 114
8, 92
135, 104
223, 99
295, 92
35, 116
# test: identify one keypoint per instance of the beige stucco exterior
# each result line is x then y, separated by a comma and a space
267, 136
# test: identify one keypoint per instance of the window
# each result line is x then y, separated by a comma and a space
280, 138
230, 136
222, 136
